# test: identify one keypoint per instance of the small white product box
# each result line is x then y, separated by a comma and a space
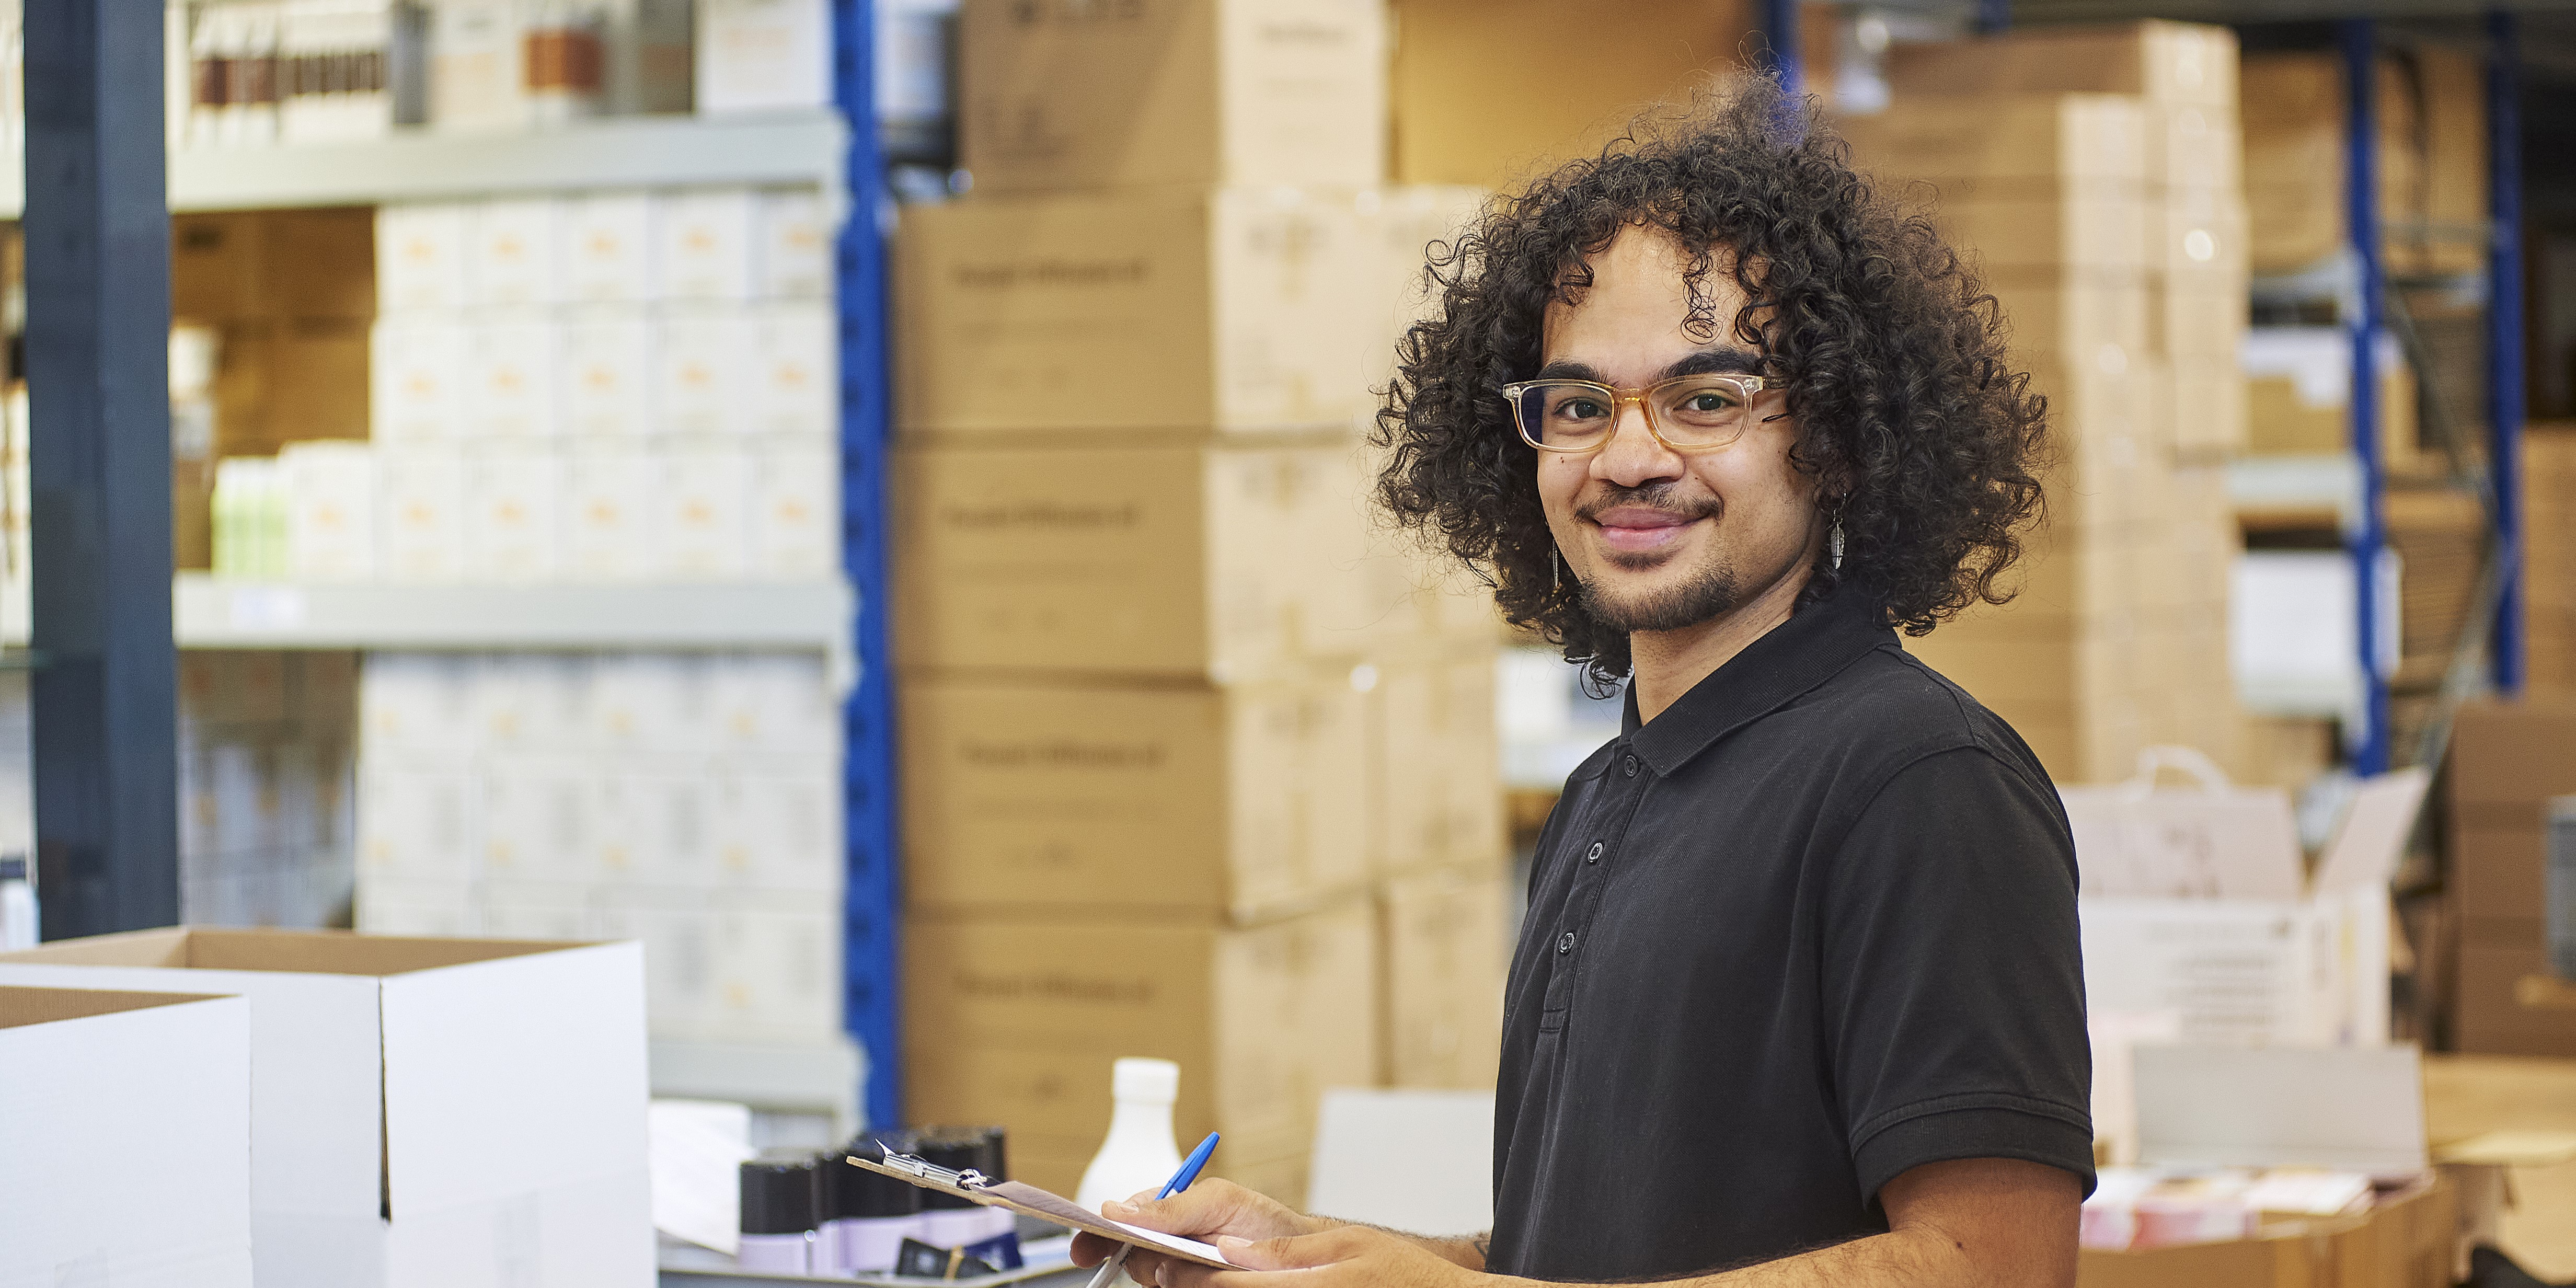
610, 510
705, 356
556, 910
658, 703
700, 529
416, 385
420, 257
797, 385
795, 508
703, 245
792, 244
536, 815
778, 968
418, 817
774, 704
608, 372
514, 386
513, 513
390, 906
417, 702
330, 510
126, 1150
678, 935
774, 823
515, 249
420, 513
532, 703
422, 1111
763, 55
477, 67
607, 248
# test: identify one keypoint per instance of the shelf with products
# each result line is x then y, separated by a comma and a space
793, 147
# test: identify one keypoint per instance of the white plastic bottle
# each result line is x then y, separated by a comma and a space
1140, 1153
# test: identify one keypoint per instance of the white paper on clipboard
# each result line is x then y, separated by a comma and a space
1019, 1197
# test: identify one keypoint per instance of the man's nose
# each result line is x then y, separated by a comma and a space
1634, 455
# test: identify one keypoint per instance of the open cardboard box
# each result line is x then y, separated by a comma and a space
124, 1139
448, 1113
2349, 1109
2197, 905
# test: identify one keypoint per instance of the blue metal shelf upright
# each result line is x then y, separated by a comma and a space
872, 913
2367, 540
2504, 341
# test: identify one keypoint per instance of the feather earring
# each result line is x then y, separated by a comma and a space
1834, 542
1555, 572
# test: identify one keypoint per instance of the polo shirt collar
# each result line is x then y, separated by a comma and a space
1814, 645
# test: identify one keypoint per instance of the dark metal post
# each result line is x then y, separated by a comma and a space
2504, 342
1780, 31
105, 698
2368, 538
873, 908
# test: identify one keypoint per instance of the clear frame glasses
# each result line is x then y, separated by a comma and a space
1686, 414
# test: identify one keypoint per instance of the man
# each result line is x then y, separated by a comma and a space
1798, 998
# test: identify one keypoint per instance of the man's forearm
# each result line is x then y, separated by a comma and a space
1462, 1250
1919, 1257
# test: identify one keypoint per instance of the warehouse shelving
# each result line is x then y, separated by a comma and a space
209, 612
104, 711
634, 152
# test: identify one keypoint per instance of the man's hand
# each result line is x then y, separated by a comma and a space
1341, 1256
1205, 1211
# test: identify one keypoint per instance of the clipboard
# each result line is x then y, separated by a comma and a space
1029, 1200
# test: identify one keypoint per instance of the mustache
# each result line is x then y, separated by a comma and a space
1657, 495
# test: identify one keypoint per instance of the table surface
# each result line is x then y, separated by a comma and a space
2469, 1095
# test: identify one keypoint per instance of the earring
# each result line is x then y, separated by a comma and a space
1556, 572
1834, 541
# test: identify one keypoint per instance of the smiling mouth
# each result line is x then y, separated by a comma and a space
1632, 529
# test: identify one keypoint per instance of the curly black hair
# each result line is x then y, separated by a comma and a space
1893, 357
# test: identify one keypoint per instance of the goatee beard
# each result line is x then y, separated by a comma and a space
1713, 594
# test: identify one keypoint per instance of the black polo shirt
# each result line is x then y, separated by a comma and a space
1812, 926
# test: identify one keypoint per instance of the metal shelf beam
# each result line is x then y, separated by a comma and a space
2504, 344
211, 613
871, 920
2374, 590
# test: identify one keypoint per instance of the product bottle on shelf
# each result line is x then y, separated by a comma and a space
1140, 1152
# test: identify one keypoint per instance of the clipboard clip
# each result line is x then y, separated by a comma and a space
969, 1179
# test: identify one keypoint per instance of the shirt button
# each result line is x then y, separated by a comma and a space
1565, 943
1629, 764
1593, 855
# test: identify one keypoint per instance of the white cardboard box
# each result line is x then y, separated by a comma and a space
477, 67
763, 55
513, 513
703, 245
330, 510
792, 244
607, 250
701, 526
705, 357
608, 373
514, 375
795, 509
125, 1151
416, 388
513, 254
420, 257
420, 512
424, 1113
796, 384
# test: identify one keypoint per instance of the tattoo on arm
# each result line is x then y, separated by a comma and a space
1484, 1245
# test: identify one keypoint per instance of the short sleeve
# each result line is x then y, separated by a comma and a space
1953, 981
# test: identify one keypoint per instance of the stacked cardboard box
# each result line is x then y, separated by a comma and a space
2431, 110
1179, 721
2549, 555
2110, 228
2507, 760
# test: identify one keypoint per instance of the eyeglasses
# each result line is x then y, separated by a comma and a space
1686, 413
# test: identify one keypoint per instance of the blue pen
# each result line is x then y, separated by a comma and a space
1180, 1181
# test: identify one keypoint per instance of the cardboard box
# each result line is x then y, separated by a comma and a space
127, 1150
2172, 63
794, 509
270, 265
2067, 136
513, 255
700, 525
2298, 389
420, 507
1435, 762
705, 358
703, 247
1199, 561
2497, 875
418, 382
1183, 312
795, 381
1016, 1020
1241, 801
2489, 1014
763, 55
514, 375
607, 255
1063, 96
609, 369
2507, 757
477, 68
793, 235
609, 514
1459, 92
513, 523
331, 510
455, 1112
2066, 314
1446, 949
420, 256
